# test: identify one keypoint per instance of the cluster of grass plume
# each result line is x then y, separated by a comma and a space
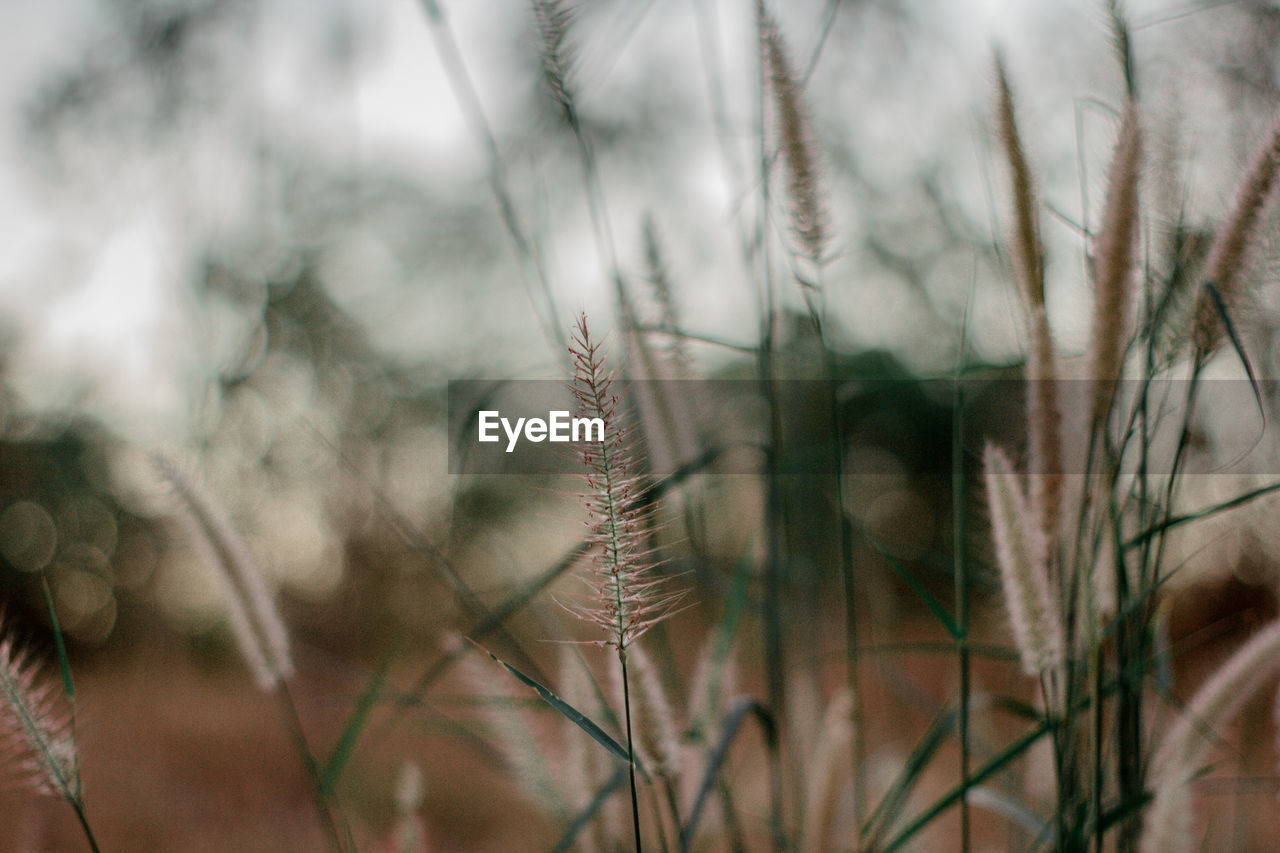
1119, 781
1056, 548
1081, 577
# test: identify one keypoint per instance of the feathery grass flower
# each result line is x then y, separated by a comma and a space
659, 740
626, 597
554, 19
1020, 553
1044, 416
808, 214
259, 631
1113, 265
36, 735
1231, 251
1028, 254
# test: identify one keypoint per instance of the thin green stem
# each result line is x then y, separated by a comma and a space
1096, 723
631, 753
339, 840
84, 824
961, 568
531, 264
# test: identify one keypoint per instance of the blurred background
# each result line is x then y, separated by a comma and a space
261, 237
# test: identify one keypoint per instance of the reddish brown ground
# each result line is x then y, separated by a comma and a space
182, 755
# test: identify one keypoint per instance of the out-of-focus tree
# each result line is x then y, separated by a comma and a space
329, 284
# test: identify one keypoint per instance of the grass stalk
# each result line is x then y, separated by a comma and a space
531, 264
631, 747
339, 836
960, 569
774, 569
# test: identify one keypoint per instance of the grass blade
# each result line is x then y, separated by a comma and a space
584, 817
920, 757
59, 642
569, 712
1177, 520
929, 599
945, 802
746, 706
346, 744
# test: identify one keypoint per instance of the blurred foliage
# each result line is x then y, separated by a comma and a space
330, 297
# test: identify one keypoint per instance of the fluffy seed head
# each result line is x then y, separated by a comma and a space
658, 743
519, 741
713, 685
1020, 553
1044, 424
1043, 413
656, 273
1230, 253
255, 622
1028, 255
1113, 264
827, 771
626, 597
808, 214
554, 19
585, 766
36, 741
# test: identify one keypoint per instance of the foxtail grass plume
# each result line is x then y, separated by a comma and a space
663, 413
796, 145
1044, 416
1113, 265
1167, 825
1028, 253
36, 737
669, 415
626, 596
255, 622
554, 18
659, 279
1231, 251
1044, 424
1020, 553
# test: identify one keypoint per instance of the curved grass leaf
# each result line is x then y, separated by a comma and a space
920, 757
59, 642
342, 750
953, 796
583, 817
569, 712
930, 601
1177, 520
1014, 810
746, 706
